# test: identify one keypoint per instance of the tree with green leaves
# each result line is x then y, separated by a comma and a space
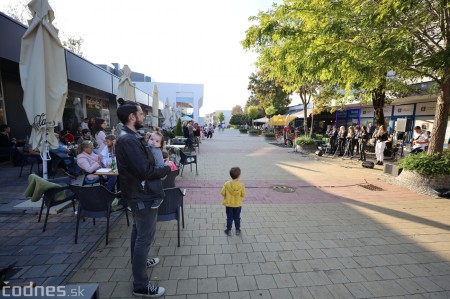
237, 110
220, 116
353, 45
265, 92
238, 120
270, 111
252, 112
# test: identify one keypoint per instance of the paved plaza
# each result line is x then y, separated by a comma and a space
310, 229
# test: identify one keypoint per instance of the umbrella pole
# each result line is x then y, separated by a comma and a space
45, 156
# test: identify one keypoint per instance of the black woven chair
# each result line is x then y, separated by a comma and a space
94, 202
49, 198
187, 159
171, 206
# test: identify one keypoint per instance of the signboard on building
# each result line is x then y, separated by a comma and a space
403, 110
387, 111
367, 112
426, 108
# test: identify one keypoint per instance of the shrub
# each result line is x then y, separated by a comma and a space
438, 164
169, 134
254, 132
269, 134
243, 131
178, 128
304, 140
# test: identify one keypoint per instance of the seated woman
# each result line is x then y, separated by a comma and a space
88, 161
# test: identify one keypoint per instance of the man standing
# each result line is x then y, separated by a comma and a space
140, 185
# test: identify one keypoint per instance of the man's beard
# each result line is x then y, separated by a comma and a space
138, 125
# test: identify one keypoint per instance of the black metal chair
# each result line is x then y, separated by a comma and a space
49, 198
169, 182
187, 159
95, 202
57, 162
170, 207
26, 158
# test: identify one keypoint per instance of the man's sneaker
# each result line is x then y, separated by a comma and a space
151, 291
227, 232
156, 203
238, 232
152, 262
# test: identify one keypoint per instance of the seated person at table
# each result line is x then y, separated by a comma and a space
167, 161
108, 151
87, 136
419, 142
88, 161
65, 137
70, 162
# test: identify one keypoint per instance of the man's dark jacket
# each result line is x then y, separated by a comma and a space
135, 163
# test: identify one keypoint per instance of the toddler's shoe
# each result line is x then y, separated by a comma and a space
156, 203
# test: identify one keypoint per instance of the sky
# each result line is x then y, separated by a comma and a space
175, 41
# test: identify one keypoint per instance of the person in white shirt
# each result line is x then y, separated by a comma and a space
419, 142
108, 152
85, 124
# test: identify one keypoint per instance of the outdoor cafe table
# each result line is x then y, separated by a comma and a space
106, 171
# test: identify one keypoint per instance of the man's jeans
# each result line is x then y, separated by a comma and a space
142, 236
233, 214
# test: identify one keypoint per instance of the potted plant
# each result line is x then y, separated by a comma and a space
269, 135
428, 171
243, 131
305, 143
254, 132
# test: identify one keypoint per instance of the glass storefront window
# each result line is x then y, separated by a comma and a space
97, 108
73, 112
2, 103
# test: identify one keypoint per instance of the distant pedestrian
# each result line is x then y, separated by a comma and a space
233, 191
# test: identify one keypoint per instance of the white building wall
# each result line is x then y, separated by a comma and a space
174, 90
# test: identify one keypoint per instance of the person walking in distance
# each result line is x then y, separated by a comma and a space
136, 163
233, 191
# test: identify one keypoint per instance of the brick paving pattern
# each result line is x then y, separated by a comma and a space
330, 238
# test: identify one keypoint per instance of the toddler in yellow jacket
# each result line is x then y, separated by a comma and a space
233, 191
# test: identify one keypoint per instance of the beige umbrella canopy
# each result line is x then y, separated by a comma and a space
43, 76
125, 89
155, 106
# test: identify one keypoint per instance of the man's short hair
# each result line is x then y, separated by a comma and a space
417, 128
84, 131
125, 109
235, 172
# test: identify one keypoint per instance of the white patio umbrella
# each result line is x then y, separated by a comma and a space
155, 106
125, 88
43, 77
167, 114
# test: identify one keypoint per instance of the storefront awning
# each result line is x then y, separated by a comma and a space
300, 114
281, 120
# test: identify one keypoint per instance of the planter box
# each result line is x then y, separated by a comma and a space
415, 179
271, 138
307, 148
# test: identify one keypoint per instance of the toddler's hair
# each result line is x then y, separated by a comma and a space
110, 137
165, 154
235, 172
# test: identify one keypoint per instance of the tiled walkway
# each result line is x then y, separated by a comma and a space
330, 238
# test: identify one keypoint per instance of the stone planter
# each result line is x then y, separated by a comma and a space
308, 148
271, 138
414, 179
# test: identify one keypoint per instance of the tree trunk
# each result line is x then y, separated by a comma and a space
378, 101
441, 116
